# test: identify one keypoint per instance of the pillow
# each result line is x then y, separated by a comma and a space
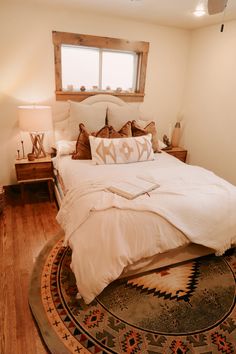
124, 132
148, 129
82, 149
143, 123
117, 116
65, 147
61, 131
123, 150
93, 117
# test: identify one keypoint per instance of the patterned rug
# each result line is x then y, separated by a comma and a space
189, 308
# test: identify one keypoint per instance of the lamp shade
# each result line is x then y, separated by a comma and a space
35, 118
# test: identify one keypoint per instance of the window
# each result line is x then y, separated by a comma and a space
86, 65
119, 70
79, 67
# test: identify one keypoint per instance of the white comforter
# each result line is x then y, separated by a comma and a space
200, 205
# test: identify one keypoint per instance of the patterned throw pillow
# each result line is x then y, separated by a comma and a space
121, 150
124, 132
82, 150
150, 128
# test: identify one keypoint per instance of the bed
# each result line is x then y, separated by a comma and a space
191, 214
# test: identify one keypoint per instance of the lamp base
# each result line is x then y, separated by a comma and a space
37, 142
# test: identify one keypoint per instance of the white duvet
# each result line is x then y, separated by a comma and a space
107, 232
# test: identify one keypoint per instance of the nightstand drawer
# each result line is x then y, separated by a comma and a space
178, 152
181, 155
34, 171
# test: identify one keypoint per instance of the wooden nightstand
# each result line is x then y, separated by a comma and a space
179, 152
35, 171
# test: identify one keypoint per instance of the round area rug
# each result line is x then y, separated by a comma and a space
189, 308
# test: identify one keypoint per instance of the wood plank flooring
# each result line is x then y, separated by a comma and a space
24, 229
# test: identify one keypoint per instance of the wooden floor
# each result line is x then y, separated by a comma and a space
24, 229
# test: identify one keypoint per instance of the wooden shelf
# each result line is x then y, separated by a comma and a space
81, 95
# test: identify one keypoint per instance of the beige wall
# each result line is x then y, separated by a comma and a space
27, 65
210, 110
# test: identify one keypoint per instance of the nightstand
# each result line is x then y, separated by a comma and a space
35, 171
178, 152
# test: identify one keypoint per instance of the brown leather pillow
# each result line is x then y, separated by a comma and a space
150, 128
82, 150
124, 132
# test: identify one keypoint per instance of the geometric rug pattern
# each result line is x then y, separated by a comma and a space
188, 308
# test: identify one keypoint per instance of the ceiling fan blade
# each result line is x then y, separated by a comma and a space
216, 6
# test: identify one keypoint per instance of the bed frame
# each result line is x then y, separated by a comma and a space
176, 256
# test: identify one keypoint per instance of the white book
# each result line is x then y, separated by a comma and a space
133, 188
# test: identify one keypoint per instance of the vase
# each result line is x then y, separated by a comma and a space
176, 135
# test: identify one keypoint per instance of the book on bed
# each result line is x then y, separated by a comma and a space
133, 188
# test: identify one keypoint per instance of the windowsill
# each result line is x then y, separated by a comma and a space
80, 96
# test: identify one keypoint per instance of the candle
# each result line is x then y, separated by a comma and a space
169, 131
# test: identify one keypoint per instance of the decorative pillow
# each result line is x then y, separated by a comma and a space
93, 117
65, 147
149, 129
123, 150
143, 123
117, 116
124, 132
82, 149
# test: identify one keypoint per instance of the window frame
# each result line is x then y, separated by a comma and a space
139, 47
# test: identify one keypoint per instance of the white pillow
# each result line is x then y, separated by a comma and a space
118, 115
93, 117
61, 131
65, 147
121, 150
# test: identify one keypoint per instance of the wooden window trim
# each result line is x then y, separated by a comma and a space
141, 48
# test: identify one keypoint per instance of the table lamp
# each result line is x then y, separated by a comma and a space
36, 120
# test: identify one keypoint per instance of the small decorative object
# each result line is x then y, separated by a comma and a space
176, 135
31, 157
18, 154
95, 88
108, 88
23, 150
82, 88
53, 152
166, 141
119, 89
70, 88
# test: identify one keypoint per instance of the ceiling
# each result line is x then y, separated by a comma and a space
177, 13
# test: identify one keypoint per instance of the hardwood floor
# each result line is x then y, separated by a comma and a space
24, 229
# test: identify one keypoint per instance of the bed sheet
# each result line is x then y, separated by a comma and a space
74, 172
